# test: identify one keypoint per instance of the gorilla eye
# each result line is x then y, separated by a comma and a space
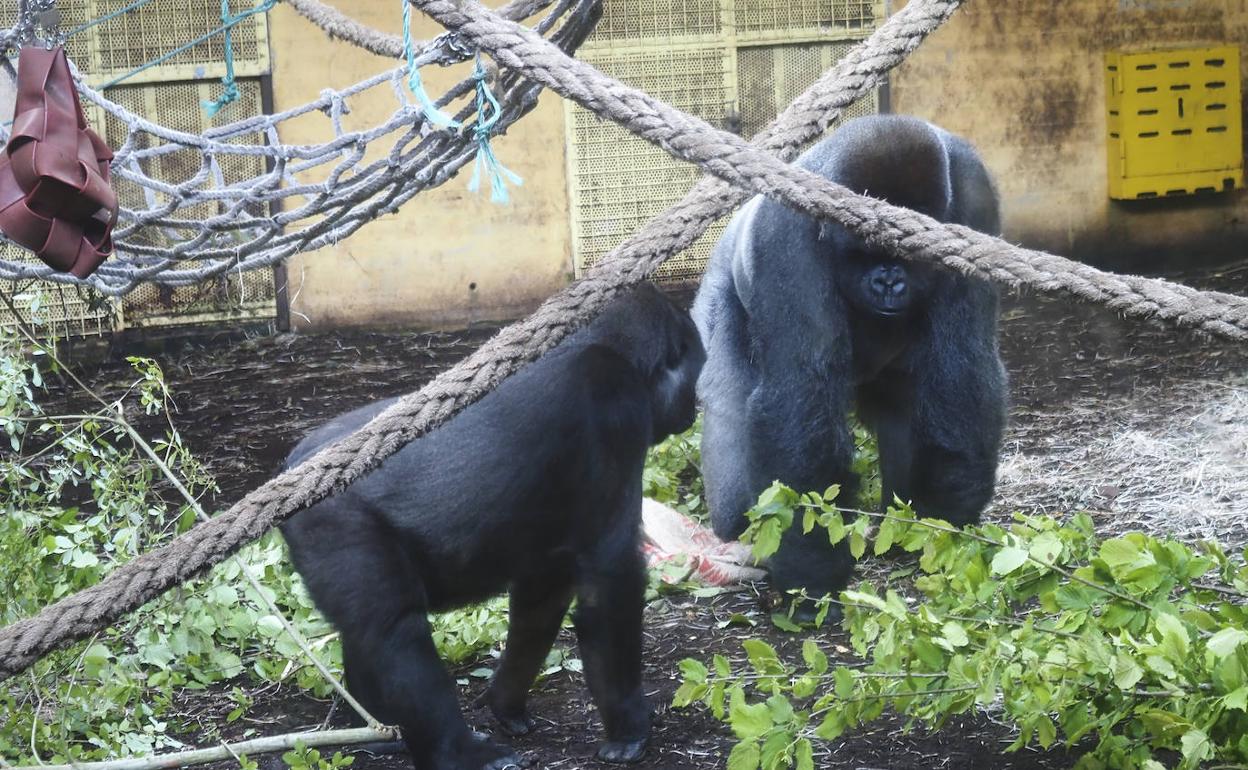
676, 354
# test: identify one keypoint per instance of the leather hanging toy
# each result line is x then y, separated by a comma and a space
55, 197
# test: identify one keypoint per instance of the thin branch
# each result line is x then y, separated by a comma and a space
989, 541
266, 745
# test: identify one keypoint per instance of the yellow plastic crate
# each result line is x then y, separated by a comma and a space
1174, 122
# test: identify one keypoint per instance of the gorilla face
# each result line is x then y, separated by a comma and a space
675, 398
880, 287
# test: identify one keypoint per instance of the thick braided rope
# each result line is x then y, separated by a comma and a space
133, 584
902, 232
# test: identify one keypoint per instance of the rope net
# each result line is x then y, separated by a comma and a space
188, 215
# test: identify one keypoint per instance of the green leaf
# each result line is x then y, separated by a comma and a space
744, 756
780, 708
748, 721
1120, 552
781, 621
844, 679
722, 667
804, 755
1007, 560
885, 537
693, 671
835, 524
859, 597
775, 751
767, 539
1196, 746
1225, 642
857, 543
688, 693
1174, 639
1046, 547
816, 659
1237, 699
832, 726
1127, 673
762, 656
955, 634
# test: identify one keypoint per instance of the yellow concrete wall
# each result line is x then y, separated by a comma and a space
1022, 79
448, 257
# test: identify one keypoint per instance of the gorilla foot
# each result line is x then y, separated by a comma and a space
514, 720
806, 611
477, 752
622, 752
515, 724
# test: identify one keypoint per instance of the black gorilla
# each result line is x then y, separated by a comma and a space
535, 489
803, 321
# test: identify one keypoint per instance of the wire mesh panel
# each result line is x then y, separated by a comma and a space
827, 17
134, 38
126, 41
735, 63
769, 77
55, 308
633, 20
619, 181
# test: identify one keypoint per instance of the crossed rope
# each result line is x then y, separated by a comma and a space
752, 167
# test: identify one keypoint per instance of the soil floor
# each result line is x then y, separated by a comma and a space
1078, 375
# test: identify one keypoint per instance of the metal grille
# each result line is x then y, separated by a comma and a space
52, 307
178, 106
769, 77
139, 36
793, 15
130, 40
619, 181
640, 19
690, 54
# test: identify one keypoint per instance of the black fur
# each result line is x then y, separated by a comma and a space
536, 490
803, 322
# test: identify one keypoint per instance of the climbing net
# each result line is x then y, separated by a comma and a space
182, 231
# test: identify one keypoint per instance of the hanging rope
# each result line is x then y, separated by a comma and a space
486, 162
414, 83
229, 93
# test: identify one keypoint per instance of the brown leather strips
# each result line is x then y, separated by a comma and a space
55, 198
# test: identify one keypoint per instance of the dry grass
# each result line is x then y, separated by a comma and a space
1167, 459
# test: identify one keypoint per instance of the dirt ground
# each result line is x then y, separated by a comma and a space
1140, 424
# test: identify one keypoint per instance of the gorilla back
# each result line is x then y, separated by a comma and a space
535, 489
803, 321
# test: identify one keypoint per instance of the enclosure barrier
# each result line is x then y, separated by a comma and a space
901, 231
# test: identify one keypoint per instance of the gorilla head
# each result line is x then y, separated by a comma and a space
662, 343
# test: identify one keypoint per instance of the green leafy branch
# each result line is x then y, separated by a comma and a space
1131, 649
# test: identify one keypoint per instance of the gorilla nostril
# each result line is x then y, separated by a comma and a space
899, 287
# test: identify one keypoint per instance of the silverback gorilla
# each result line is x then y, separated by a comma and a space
802, 321
535, 489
